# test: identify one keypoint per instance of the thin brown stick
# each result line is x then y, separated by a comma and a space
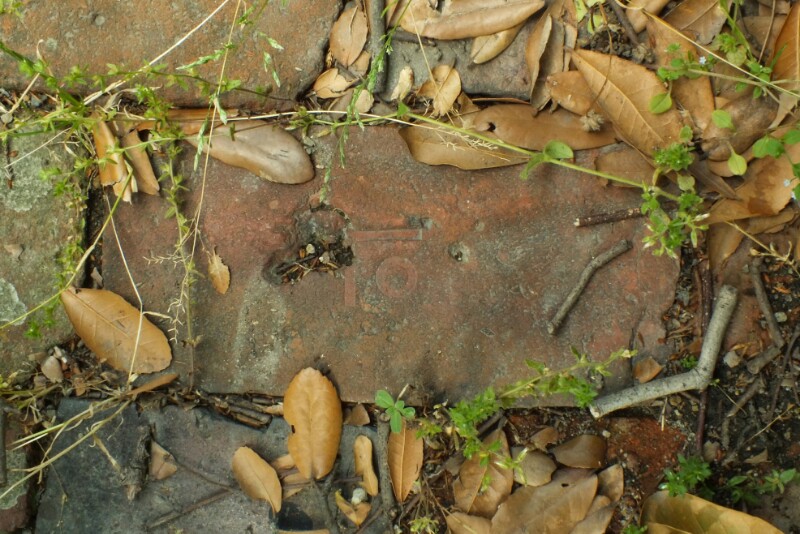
763, 303
586, 275
214, 497
622, 18
707, 296
608, 217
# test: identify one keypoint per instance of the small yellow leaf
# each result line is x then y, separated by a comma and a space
256, 477
355, 513
219, 273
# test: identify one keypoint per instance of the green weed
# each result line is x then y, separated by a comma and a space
395, 409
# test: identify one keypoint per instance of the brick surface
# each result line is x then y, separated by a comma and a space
406, 311
93, 33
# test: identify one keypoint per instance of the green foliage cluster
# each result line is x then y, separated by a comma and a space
691, 472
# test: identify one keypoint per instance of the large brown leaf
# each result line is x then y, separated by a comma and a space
263, 149
109, 326
554, 508
695, 95
469, 491
348, 35
624, 90
691, 514
439, 146
256, 477
312, 407
460, 19
702, 19
405, 460
519, 125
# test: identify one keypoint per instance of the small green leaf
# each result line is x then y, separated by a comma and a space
383, 399
534, 162
722, 119
660, 103
685, 182
737, 164
402, 110
792, 137
396, 422
557, 150
768, 146
686, 134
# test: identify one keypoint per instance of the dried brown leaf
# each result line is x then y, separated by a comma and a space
162, 463
611, 482
585, 450
439, 146
360, 66
596, 521
357, 416
488, 47
536, 469
219, 273
256, 477
355, 513
405, 81
689, 513
723, 241
750, 117
109, 326
786, 70
702, 19
537, 44
362, 451
544, 437
550, 59
461, 523
442, 89
363, 104
694, 95
466, 18
51, 369
469, 490
405, 461
294, 483
311, 405
263, 149
646, 369
283, 464
636, 11
624, 90
559, 505
112, 170
519, 125
348, 35
569, 90
764, 30
146, 180
331, 84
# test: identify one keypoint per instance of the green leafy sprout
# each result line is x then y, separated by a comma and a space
395, 409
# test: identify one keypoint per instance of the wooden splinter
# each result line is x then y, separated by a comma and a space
586, 275
697, 378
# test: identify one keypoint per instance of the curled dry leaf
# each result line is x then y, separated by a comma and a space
331, 84
439, 146
536, 469
596, 520
488, 47
519, 125
219, 273
357, 416
701, 19
311, 405
442, 88
569, 90
537, 44
348, 35
355, 513
545, 437
362, 451
146, 180
624, 90
786, 69
405, 460
611, 482
405, 81
256, 477
750, 117
646, 369
471, 493
51, 369
109, 326
586, 451
263, 149
361, 65
688, 513
561, 502
461, 523
162, 463
466, 18
363, 101
112, 170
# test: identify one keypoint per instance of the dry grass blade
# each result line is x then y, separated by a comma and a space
109, 326
256, 477
311, 405
702, 19
488, 47
461, 523
219, 273
467, 18
624, 91
471, 493
263, 149
362, 451
405, 461
348, 35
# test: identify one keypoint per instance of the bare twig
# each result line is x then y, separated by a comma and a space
697, 378
586, 275
608, 217
707, 294
172, 516
759, 362
763, 303
622, 18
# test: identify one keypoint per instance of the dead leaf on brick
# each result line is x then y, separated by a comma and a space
360, 66
466, 18
219, 273
627, 163
750, 117
109, 326
723, 241
312, 407
356, 513
405, 460
256, 477
162, 463
596, 520
362, 451
293, 483
331, 84
624, 91
469, 490
348, 35
520, 125
112, 170
688, 513
461, 523
488, 47
584, 451
569, 90
146, 180
405, 81
786, 70
442, 89
646, 369
702, 19
266, 150
363, 103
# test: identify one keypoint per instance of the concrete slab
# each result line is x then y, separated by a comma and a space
454, 275
68, 33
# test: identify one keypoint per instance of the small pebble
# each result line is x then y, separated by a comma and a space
6, 118
732, 359
781, 317
99, 20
